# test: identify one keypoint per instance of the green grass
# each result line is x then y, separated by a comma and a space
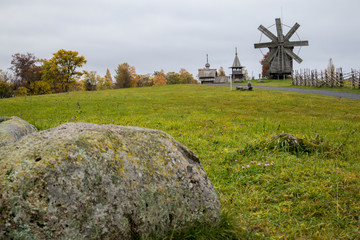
300, 195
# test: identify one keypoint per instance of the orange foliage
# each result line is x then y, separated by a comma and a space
160, 78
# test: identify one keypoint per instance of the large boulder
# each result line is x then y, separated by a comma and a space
12, 129
88, 181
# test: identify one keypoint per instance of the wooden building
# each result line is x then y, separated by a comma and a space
207, 75
236, 69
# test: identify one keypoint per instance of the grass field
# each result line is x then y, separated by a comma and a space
267, 189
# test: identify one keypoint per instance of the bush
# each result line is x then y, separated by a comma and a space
21, 91
5, 89
41, 87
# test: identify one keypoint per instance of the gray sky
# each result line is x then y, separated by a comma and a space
172, 34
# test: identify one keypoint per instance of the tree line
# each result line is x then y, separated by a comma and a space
29, 75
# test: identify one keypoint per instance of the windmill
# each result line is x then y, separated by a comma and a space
281, 50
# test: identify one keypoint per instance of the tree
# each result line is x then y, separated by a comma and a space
21, 91
125, 74
265, 68
145, 81
25, 70
40, 87
186, 77
108, 80
60, 70
91, 81
173, 78
331, 67
221, 72
159, 78
6, 88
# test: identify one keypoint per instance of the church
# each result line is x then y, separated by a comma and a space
208, 75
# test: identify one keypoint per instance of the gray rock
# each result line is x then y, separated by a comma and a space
12, 129
88, 181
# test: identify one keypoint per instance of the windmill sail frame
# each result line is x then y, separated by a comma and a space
281, 49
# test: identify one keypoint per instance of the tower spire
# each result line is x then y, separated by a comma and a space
236, 51
207, 65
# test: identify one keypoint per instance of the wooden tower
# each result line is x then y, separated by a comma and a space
281, 50
237, 69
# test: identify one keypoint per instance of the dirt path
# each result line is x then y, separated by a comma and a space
302, 90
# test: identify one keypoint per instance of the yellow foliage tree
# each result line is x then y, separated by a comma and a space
40, 87
159, 78
186, 77
60, 70
108, 80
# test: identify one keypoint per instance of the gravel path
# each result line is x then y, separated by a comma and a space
302, 90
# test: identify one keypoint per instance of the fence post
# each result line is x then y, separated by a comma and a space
353, 79
326, 77
341, 78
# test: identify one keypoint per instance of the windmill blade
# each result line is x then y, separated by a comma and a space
293, 55
291, 32
279, 30
264, 45
296, 44
270, 57
269, 34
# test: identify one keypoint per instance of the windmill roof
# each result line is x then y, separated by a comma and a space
236, 63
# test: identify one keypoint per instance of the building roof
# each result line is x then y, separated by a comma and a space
236, 63
207, 73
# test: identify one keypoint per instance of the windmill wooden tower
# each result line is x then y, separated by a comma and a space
281, 50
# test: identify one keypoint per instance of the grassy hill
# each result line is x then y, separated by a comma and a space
268, 188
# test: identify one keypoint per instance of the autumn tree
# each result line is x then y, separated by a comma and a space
159, 78
265, 67
221, 72
125, 74
25, 70
173, 78
186, 77
108, 80
6, 87
60, 70
145, 81
40, 87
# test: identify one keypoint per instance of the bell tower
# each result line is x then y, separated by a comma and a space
236, 68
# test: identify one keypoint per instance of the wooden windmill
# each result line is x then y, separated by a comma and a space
281, 50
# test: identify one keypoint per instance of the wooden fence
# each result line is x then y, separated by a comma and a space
327, 78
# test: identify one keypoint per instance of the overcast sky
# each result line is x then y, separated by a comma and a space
172, 34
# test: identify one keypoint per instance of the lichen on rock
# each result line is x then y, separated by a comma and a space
88, 181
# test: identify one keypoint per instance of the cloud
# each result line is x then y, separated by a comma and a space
169, 35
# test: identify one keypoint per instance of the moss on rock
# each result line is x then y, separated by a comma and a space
88, 181
12, 129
